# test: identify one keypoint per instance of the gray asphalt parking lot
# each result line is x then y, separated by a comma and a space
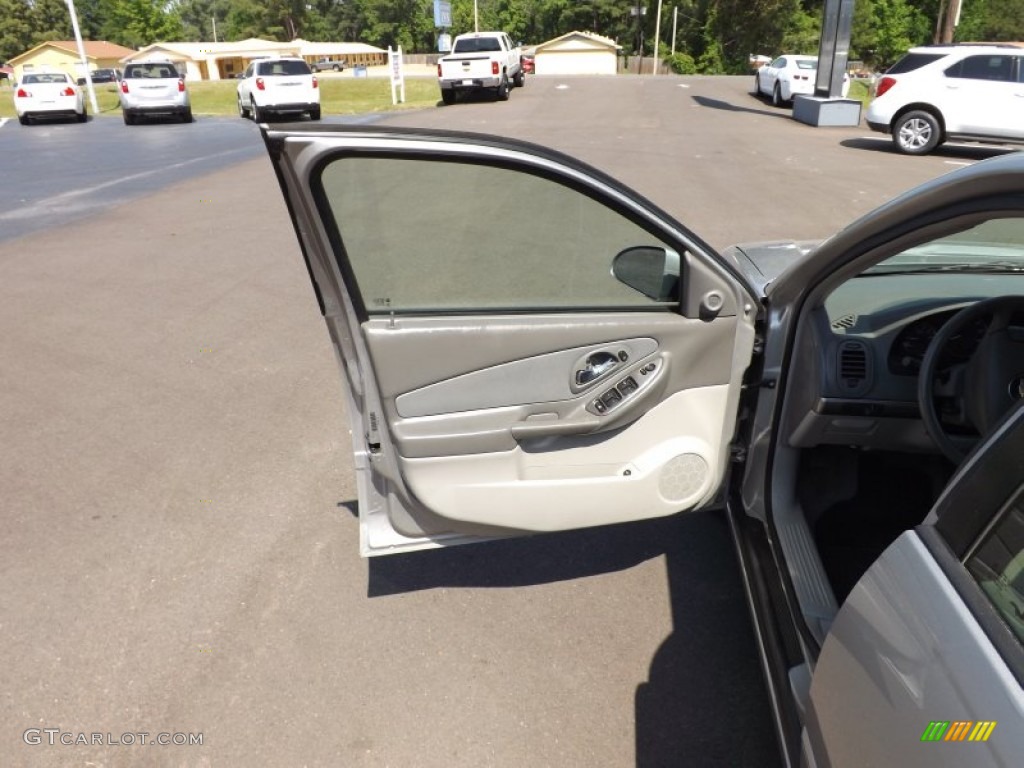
178, 548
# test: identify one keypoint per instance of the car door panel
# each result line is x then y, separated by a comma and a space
906, 648
500, 380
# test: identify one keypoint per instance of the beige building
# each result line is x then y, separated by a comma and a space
223, 61
62, 56
577, 53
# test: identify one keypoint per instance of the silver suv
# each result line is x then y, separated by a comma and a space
154, 88
951, 93
278, 86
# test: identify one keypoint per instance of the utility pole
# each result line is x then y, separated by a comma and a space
657, 39
476, 17
950, 21
214, 20
81, 56
675, 21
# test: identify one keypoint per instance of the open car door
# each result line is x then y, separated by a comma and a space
527, 345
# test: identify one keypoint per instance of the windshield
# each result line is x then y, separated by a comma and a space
806, 63
996, 245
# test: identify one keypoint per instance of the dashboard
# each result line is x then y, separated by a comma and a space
869, 340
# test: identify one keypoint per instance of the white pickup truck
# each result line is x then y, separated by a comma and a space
480, 60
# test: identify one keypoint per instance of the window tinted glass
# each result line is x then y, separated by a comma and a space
477, 44
429, 235
54, 77
997, 564
285, 68
807, 64
913, 61
163, 70
998, 68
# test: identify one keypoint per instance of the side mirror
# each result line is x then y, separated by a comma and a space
651, 270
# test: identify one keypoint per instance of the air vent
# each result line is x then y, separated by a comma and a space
854, 366
844, 322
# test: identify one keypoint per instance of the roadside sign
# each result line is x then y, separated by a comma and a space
442, 15
444, 42
397, 76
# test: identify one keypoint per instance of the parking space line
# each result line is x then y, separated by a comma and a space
3, 121
65, 198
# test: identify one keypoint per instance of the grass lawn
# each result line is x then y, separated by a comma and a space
338, 96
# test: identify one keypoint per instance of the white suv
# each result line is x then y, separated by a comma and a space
951, 92
153, 88
278, 86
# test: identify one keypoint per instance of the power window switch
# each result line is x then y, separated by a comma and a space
627, 385
611, 397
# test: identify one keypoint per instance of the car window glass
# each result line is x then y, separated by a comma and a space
477, 45
994, 244
913, 61
990, 250
779, 63
985, 67
429, 235
997, 564
807, 64
286, 68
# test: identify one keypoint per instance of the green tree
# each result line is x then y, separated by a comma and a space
15, 28
50, 20
197, 18
991, 21
136, 23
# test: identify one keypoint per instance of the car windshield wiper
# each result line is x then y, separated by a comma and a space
996, 267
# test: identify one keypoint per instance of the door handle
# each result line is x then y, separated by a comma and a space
594, 367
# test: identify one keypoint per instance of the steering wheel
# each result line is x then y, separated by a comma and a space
988, 385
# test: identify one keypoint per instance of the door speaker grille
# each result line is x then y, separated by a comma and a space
682, 477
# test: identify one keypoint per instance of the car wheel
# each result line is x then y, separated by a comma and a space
242, 111
336, 68
314, 113
777, 99
448, 97
757, 85
186, 116
502, 90
80, 116
518, 80
917, 133
23, 119
129, 118
256, 112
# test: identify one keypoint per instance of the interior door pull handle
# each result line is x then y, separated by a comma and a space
595, 366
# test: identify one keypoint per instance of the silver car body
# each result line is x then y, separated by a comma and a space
153, 88
606, 365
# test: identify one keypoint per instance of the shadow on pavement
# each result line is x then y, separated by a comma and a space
705, 702
969, 152
704, 101
519, 562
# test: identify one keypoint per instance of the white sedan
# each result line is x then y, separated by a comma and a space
48, 94
789, 75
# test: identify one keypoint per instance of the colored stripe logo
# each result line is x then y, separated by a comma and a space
958, 730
